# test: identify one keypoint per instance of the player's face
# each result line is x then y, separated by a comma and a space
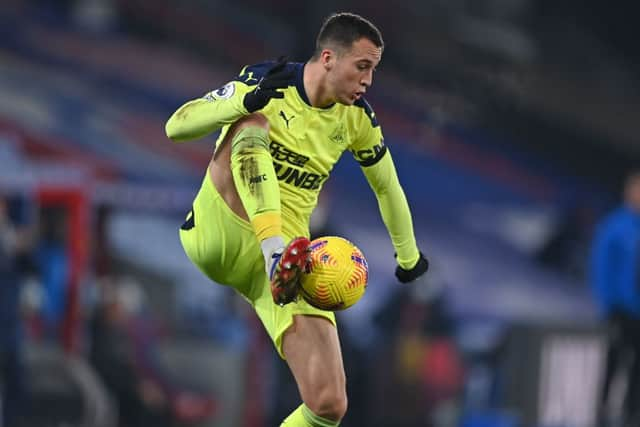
352, 72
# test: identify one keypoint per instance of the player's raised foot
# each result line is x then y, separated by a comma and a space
286, 268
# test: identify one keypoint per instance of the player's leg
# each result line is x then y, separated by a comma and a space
631, 336
245, 160
614, 358
312, 350
254, 176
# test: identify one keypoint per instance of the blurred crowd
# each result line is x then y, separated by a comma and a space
121, 337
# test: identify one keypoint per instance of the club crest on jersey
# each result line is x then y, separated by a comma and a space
224, 92
338, 134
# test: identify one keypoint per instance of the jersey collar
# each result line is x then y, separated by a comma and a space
300, 86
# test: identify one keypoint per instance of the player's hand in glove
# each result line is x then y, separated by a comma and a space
278, 77
406, 276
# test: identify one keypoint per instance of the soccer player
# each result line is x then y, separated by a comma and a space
284, 125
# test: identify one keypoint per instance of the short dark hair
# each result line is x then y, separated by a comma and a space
342, 29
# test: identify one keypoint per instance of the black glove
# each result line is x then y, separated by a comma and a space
276, 78
406, 276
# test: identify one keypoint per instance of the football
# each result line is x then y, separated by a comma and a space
337, 275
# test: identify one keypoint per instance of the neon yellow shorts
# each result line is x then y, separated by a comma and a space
225, 248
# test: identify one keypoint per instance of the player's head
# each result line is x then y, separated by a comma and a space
632, 191
349, 48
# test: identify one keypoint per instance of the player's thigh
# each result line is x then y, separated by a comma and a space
312, 350
221, 244
278, 320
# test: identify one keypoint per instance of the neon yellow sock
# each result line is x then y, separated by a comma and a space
303, 417
256, 181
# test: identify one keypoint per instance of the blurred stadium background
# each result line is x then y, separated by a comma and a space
512, 123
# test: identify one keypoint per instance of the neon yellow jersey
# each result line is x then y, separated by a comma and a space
306, 141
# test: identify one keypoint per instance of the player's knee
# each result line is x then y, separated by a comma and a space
329, 404
251, 133
252, 120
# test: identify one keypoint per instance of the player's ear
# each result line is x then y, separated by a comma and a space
328, 58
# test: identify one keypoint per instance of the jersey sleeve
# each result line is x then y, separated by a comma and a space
394, 209
220, 107
368, 146
378, 167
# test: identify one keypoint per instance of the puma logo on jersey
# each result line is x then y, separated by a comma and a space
247, 77
286, 120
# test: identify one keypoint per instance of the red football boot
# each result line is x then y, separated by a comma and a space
287, 268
